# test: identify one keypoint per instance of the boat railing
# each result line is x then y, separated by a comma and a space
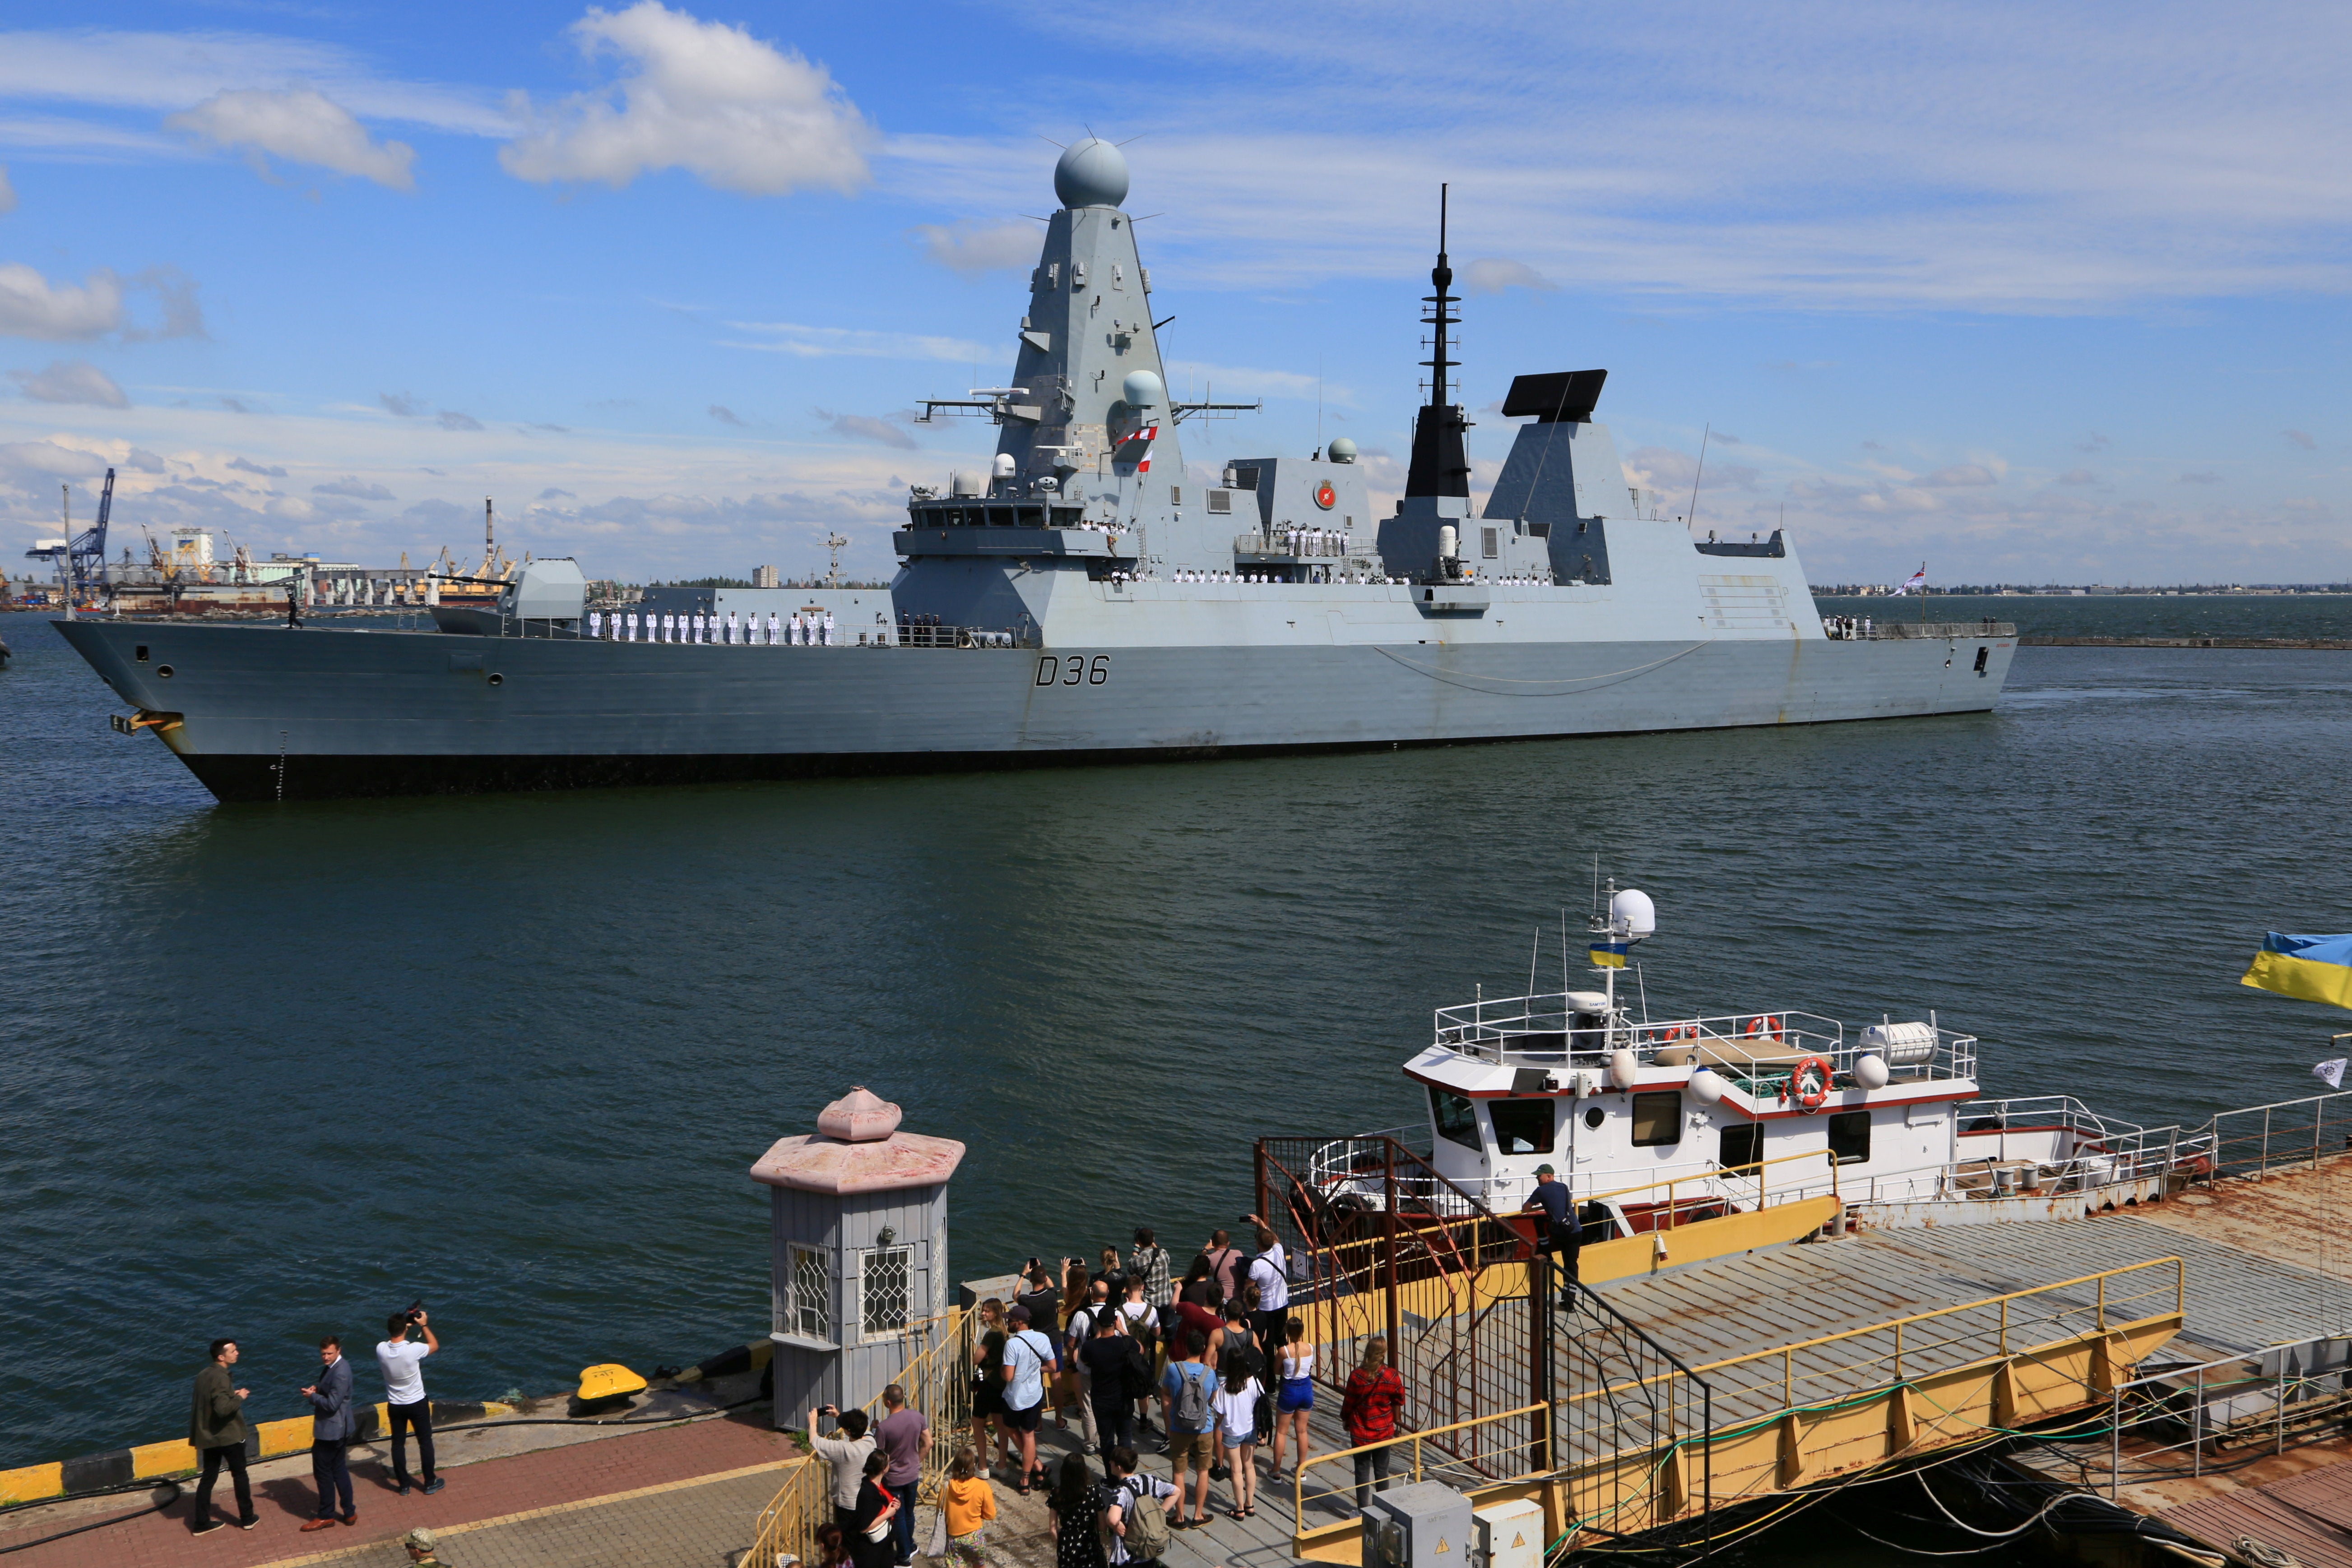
1759, 1046
1849, 628
612, 630
2104, 1148
2256, 1141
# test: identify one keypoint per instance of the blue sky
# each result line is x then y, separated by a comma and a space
2028, 293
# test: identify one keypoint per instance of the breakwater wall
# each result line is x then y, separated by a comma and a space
2044, 641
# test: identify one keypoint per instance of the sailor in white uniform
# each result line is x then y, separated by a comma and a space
830, 635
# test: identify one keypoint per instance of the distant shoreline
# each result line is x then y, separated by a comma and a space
2045, 640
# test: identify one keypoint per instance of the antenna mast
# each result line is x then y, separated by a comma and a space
832, 543
1439, 467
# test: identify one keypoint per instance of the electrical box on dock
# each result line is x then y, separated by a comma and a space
1424, 1525
1511, 1534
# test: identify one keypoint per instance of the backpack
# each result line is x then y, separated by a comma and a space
1146, 1522
1138, 1371
1191, 1407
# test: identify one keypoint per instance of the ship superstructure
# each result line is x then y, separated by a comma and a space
1084, 597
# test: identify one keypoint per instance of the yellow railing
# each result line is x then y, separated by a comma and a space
2104, 1311
1465, 1475
937, 1380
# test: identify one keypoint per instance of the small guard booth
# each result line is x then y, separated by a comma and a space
859, 1224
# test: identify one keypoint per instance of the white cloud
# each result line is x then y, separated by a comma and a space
37, 463
402, 404
1234, 381
247, 465
1493, 274
301, 126
737, 113
32, 307
866, 427
167, 71
71, 380
972, 248
452, 420
818, 342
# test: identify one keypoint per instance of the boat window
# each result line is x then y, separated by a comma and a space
1594, 1117
1245, 478
1522, 1126
1657, 1119
1850, 1137
1456, 1121
1029, 517
1742, 1146
1067, 516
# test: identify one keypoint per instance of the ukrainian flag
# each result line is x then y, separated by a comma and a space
1612, 956
2314, 968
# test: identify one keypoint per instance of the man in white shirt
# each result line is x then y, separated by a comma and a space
1270, 1322
402, 1360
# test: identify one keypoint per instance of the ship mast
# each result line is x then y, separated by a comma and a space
1439, 467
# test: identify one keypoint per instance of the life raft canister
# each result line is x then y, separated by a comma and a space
1809, 1084
1326, 497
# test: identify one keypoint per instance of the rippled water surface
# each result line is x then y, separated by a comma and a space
269, 1072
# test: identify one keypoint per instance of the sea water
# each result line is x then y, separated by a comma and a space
275, 1072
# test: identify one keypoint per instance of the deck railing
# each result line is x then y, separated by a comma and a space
2287, 1135
937, 1380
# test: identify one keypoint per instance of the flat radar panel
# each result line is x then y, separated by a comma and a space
1555, 397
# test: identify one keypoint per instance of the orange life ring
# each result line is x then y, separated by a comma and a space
1763, 1024
1809, 1082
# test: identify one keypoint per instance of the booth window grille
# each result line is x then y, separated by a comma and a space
808, 1310
884, 1281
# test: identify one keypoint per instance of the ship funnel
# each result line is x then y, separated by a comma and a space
1632, 913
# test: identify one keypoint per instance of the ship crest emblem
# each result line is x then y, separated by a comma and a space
1326, 497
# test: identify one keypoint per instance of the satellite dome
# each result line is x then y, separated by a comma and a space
1091, 174
1142, 390
1341, 450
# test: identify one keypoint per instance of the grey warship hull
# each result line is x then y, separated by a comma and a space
262, 714
1088, 599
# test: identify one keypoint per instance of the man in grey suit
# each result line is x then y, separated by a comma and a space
333, 1426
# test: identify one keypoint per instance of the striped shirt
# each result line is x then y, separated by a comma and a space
1149, 1264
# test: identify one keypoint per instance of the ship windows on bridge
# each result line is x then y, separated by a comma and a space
1850, 1137
1522, 1126
1456, 1119
1742, 1146
995, 514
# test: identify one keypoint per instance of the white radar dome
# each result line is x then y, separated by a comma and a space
1341, 450
1633, 912
1706, 1087
1091, 174
1870, 1071
1005, 465
1142, 390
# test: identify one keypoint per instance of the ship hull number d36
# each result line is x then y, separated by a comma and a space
1074, 669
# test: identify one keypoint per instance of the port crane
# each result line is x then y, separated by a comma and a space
81, 557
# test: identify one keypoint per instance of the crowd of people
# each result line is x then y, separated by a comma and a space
1209, 1367
217, 1430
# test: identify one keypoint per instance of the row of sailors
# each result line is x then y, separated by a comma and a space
1846, 628
1314, 542
1359, 577
797, 630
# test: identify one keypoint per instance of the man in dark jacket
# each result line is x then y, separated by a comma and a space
216, 1431
332, 1428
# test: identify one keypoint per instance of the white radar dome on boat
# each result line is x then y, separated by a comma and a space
1587, 1001
1341, 450
1622, 1069
1142, 390
1706, 1086
1005, 465
1091, 174
1901, 1044
1633, 912
1870, 1071
960, 484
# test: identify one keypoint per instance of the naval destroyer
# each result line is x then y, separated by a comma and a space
1088, 599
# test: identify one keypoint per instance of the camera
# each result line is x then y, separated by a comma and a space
415, 1312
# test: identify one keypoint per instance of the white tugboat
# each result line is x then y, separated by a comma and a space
1657, 1123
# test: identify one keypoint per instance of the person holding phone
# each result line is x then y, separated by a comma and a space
845, 1455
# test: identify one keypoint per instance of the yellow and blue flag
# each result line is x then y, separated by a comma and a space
2314, 968
1611, 954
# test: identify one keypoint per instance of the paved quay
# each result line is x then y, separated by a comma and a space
668, 1497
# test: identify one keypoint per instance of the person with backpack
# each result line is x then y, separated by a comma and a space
1141, 1322
1139, 1507
1109, 1364
1238, 1352
1029, 1361
1078, 1329
989, 1434
1185, 1396
1369, 1410
1269, 1276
